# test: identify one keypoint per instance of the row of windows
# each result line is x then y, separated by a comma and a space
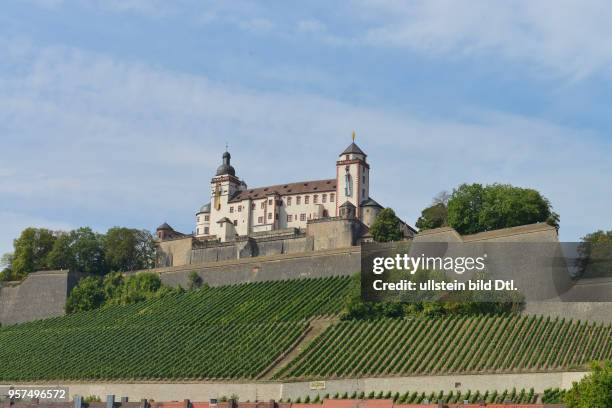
204, 231
298, 201
315, 199
206, 218
291, 217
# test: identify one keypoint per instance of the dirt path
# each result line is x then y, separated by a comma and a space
317, 326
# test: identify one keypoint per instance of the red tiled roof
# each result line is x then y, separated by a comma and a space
302, 187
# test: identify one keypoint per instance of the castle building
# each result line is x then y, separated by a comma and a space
236, 210
300, 217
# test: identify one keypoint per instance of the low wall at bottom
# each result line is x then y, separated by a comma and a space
263, 391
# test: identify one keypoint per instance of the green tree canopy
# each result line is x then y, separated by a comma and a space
129, 249
31, 250
594, 390
434, 216
87, 295
476, 208
596, 254
79, 250
386, 227
115, 289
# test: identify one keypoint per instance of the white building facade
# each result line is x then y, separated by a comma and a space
235, 210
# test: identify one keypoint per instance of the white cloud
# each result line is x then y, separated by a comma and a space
105, 142
569, 38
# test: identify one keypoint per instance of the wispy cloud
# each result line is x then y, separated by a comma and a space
569, 38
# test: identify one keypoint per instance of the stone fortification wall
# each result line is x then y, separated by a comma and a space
40, 295
313, 264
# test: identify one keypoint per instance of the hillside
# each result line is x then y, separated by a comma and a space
213, 333
421, 346
250, 331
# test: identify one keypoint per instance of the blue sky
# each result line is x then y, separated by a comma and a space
116, 112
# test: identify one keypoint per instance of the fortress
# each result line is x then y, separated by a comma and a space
303, 216
297, 230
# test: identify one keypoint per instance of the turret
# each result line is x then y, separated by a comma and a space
353, 177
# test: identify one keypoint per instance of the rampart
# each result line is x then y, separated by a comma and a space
313, 264
40, 295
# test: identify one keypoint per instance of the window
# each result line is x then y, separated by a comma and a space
315, 198
198, 218
302, 217
347, 157
263, 204
270, 202
363, 178
276, 216
235, 222
260, 220
363, 192
332, 197
348, 184
269, 216
324, 198
205, 230
239, 208
253, 206
288, 201
197, 231
298, 200
231, 209
306, 199
289, 217
206, 218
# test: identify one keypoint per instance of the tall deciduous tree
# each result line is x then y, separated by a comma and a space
434, 216
596, 254
386, 226
31, 251
476, 208
129, 249
80, 250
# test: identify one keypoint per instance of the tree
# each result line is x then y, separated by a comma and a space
386, 227
6, 267
87, 295
115, 289
595, 252
434, 216
31, 250
594, 390
79, 250
129, 249
137, 288
464, 208
195, 281
475, 208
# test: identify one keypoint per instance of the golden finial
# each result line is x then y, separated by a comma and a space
353, 136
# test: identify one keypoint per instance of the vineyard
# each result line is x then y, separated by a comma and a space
241, 332
450, 345
490, 397
213, 333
